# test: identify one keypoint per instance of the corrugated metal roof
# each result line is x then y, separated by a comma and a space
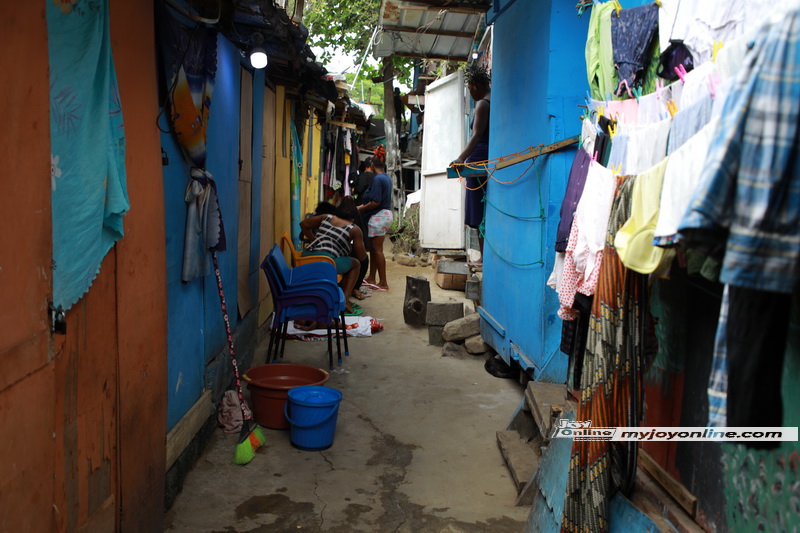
435, 29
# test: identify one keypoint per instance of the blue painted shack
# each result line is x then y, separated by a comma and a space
537, 81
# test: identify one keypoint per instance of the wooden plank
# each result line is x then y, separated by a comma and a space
544, 398
460, 171
536, 152
347, 125
429, 31
521, 458
654, 501
184, 431
675, 489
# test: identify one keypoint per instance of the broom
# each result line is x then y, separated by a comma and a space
251, 437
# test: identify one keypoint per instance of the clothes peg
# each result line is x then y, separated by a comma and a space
601, 110
717, 47
712, 83
612, 130
680, 70
658, 3
594, 157
617, 6
637, 92
627, 87
659, 88
616, 170
672, 107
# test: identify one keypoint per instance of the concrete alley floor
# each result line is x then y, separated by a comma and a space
415, 447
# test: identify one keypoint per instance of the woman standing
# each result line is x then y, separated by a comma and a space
377, 210
477, 149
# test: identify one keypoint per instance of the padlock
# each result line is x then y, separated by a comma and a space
58, 320
164, 157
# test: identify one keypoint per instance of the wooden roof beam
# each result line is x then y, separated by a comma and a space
444, 33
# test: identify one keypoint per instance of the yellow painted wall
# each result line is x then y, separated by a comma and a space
283, 158
267, 199
311, 154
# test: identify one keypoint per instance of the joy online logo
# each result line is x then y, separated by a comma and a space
580, 430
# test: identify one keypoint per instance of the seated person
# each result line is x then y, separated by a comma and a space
349, 210
331, 236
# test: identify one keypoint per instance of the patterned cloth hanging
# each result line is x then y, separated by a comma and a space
190, 66
610, 367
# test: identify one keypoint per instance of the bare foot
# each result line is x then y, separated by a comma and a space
358, 295
371, 281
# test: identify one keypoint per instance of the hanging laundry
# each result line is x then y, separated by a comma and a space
634, 240
749, 198
681, 180
632, 31
204, 227
613, 347
575, 184
647, 145
700, 23
651, 109
758, 324
599, 51
588, 136
626, 111
583, 255
748, 204
718, 378
618, 156
89, 194
687, 122
696, 86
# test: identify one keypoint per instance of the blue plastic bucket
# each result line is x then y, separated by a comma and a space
312, 411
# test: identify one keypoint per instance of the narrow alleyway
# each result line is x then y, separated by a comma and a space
415, 447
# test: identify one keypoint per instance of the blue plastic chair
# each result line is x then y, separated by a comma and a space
307, 292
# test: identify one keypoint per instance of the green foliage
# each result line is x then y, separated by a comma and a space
366, 91
404, 232
347, 26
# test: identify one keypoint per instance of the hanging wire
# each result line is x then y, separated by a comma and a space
541, 216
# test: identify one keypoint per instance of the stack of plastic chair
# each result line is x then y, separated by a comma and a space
299, 259
307, 292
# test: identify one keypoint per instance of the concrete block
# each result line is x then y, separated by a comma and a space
452, 349
415, 305
472, 290
463, 328
476, 346
440, 313
452, 267
453, 282
435, 335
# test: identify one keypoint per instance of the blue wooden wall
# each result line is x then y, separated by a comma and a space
538, 77
195, 329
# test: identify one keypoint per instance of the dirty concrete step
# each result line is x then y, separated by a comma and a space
545, 402
521, 456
